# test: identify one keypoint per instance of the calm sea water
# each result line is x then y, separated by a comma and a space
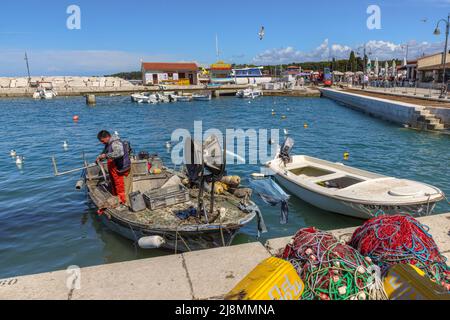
45, 224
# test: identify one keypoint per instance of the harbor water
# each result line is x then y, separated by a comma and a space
45, 224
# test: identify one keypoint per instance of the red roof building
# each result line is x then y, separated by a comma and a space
179, 73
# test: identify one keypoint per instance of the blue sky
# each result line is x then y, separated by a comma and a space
115, 35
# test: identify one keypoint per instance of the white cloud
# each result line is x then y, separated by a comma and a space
72, 62
379, 49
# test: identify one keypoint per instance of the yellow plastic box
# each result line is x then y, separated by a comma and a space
271, 279
407, 282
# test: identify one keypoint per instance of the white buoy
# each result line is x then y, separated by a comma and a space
151, 242
168, 145
65, 144
19, 160
13, 153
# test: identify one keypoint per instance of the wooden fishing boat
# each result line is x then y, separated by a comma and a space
170, 209
350, 191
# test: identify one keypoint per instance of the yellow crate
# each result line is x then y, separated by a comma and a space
183, 82
407, 282
271, 279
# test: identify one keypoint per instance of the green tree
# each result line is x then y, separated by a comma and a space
353, 64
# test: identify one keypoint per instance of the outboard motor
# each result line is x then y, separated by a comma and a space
204, 163
285, 150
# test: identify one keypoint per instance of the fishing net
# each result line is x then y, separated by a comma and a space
396, 239
272, 194
331, 269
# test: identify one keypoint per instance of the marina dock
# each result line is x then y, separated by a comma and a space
207, 274
414, 112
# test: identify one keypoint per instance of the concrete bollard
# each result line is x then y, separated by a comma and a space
90, 99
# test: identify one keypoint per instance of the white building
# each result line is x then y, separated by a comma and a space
176, 73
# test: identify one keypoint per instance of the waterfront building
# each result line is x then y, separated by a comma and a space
291, 73
177, 73
251, 75
220, 73
430, 70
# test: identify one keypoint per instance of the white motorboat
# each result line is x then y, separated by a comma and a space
183, 98
43, 93
249, 93
162, 98
350, 191
144, 98
202, 97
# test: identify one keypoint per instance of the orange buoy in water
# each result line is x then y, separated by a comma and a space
75, 118
305, 125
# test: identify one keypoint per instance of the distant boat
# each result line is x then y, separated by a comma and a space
183, 98
249, 93
349, 191
144, 98
42, 93
202, 97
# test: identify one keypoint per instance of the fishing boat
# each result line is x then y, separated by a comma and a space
350, 191
202, 97
174, 210
249, 93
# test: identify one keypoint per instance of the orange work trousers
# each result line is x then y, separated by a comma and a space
117, 181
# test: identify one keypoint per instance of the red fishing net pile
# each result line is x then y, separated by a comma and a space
396, 239
331, 269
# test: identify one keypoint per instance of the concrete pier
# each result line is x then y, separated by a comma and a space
417, 113
207, 274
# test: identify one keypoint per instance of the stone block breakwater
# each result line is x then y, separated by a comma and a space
65, 85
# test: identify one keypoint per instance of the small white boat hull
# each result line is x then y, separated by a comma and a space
353, 192
44, 94
201, 97
361, 211
183, 98
249, 93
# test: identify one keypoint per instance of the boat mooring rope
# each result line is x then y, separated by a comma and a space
390, 240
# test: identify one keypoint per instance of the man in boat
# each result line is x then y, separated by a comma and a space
117, 154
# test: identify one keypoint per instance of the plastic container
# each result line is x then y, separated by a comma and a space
137, 202
139, 167
165, 197
407, 282
272, 279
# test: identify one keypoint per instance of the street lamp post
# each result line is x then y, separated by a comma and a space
437, 32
